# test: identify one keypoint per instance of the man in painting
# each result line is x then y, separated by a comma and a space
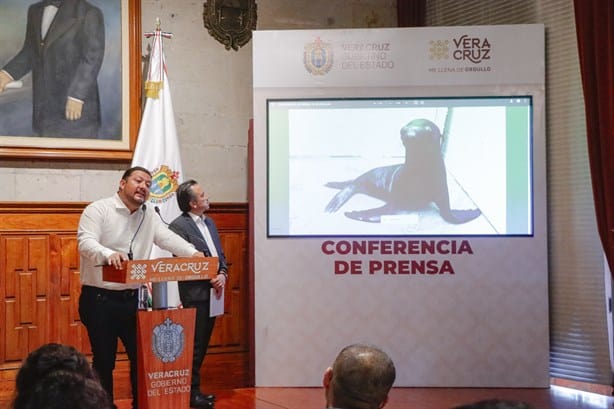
64, 49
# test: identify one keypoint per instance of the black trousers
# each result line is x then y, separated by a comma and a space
202, 334
108, 316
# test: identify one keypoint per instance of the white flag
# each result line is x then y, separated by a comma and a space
157, 147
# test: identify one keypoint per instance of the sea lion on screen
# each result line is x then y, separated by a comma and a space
406, 187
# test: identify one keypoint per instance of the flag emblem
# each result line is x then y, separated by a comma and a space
164, 182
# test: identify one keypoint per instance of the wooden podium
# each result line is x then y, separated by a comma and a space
165, 338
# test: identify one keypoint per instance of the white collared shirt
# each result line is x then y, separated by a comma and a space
48, 16
107, 226
204, 230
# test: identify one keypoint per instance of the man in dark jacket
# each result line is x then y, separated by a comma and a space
64, 49
194, 226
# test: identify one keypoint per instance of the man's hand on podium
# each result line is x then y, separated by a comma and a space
116, 259
198, 254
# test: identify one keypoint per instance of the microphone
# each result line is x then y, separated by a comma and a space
157, 209
144, 207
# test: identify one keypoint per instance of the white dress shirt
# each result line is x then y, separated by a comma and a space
107, 226
48, 16
204, 230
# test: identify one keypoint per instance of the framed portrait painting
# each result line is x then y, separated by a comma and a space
70, 85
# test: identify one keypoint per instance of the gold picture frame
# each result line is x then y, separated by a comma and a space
117, 145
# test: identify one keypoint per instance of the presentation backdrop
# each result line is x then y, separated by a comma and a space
400, 200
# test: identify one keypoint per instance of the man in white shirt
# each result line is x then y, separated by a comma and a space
112, 231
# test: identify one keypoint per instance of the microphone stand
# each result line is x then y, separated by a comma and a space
159, 291
131, 255
144, 207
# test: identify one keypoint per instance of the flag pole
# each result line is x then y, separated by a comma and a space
158, 150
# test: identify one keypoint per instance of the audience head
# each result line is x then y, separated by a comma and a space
495, 404
50, 358
360, 378
64, 389
58, 376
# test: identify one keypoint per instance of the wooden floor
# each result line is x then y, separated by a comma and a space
555, 397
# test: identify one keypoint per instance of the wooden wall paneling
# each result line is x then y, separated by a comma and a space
42, 292
3, 291
228, 370
70, 329
26, 295
230, 331
40, 287
39, 282
13, 249
227, 362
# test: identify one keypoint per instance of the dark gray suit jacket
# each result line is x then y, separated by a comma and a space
184, 226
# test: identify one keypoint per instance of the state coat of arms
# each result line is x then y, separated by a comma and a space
168, 341
318, 57
230, 21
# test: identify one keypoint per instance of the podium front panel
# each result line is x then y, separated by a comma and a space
165, 347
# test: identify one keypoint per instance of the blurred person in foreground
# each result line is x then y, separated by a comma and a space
57, 376
360, 378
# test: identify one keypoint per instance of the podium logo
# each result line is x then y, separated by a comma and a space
164, 183
138, 271
318, 57
168, 341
